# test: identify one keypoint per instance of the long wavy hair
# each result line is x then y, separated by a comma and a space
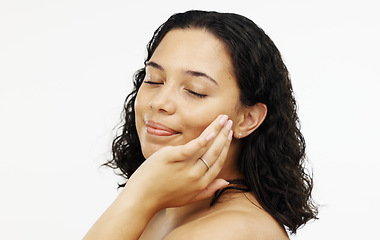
272, 157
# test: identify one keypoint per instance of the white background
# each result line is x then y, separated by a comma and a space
66, 67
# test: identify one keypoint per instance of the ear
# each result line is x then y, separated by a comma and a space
250, 119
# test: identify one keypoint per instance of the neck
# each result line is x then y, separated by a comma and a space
231, 168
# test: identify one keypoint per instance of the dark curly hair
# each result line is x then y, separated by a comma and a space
272, 157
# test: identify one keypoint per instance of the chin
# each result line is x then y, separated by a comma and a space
150, 146
148, 151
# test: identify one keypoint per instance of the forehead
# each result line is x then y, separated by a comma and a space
193, 49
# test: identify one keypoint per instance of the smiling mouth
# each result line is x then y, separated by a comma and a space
158, 129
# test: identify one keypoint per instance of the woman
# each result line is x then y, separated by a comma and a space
211, 145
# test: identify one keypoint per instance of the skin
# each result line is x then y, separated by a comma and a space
188, 107
169, 93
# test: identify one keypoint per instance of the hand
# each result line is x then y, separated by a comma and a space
171, 177
175, 176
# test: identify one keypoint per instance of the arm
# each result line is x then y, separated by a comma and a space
171, 177
124, 219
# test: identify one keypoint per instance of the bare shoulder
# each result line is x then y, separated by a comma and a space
231, 224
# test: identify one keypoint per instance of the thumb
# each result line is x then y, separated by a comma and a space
210, 189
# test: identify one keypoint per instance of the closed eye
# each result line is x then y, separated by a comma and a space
197, 94
153, 83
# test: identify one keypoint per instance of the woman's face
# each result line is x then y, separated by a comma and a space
189, 81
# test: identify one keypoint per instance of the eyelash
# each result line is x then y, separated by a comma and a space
196, 94
153, 83
189, 91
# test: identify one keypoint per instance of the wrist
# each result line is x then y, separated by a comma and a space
136, 202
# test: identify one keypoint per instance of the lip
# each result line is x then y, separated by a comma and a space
159, 129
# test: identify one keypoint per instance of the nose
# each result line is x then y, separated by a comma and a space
163, 101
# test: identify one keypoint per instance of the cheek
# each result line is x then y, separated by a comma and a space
139, 106
198, 119
197, 122
139, 100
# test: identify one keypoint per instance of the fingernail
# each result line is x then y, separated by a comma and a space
223, 120
210, 136
229, 124
230, 135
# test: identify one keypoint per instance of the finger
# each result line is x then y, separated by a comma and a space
197, 147
210, 189
219, 163
216, 148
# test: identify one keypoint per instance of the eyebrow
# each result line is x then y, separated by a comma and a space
188, 72
154, 65
201, 74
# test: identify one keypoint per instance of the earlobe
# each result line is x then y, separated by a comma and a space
252, 118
